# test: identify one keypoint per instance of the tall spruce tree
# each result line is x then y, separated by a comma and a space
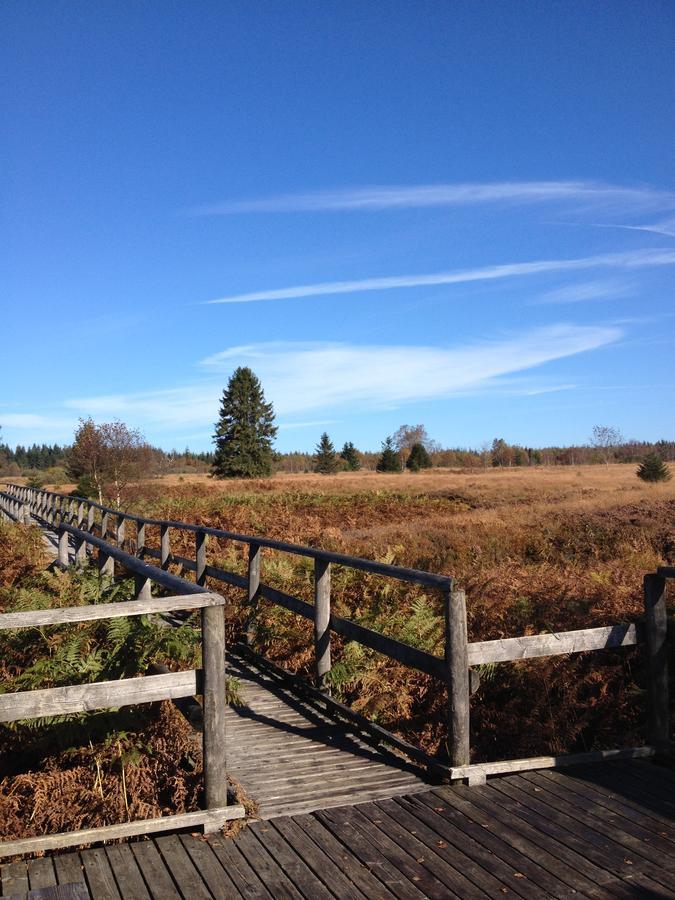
351, 456
653, 468
419, 458
389, 460
325, 460
245, 429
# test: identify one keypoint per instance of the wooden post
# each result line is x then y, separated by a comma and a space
213, 651
63, 549
200, 557
254, 558
106, 563
80, 551
91, 514
165, 546
322, 623
457, 663
143, 587
656, 628
140, 538
104, 526
120, 532
80, 514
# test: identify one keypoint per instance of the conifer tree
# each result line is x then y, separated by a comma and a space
325, 460
419, 458
389, 460
351, 456
245, 429
653, 468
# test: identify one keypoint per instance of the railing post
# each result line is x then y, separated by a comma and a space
656, 628
80, 551
63, 549
165, 546
143, 587
91, 515
322, 623
106, 563
119, 535
457, 664
80, 514
104, 526
213, 652
254, 557
140, 538
200, 556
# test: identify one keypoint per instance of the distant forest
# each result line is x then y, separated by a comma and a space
40, 458
43, 457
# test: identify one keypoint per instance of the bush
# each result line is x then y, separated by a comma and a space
652, 468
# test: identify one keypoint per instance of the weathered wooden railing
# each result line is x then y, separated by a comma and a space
454, 670
209, 682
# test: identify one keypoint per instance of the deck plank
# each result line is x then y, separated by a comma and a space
99, 876
69, 868
245, 880
588, 841
182, 870
156, 876
41, 873
207, 864
510, 839
127, 874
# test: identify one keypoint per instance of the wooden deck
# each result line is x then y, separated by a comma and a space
291, 758
602, 832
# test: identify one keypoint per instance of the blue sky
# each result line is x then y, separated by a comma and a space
461, 214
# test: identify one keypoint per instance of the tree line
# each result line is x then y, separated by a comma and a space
104, 458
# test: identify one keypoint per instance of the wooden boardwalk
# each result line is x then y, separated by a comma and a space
291, 758
601, 832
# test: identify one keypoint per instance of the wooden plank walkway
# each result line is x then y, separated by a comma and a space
291, 758
605, 831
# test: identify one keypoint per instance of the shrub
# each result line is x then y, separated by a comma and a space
652, 468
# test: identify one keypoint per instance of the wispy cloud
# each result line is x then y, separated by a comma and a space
667, 227
310, 378
628, 260
584, 291
302, 377
379, 197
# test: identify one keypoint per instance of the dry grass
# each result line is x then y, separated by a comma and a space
536, 550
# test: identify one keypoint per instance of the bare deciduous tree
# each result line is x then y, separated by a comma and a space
605, 439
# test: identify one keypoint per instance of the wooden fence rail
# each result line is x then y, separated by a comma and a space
454, 669
209, 682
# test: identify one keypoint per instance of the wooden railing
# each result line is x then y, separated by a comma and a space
209, 682
79, 518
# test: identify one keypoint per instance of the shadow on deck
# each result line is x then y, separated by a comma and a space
603, 831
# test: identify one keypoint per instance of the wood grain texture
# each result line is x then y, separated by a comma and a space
535, 645
74, 698
124, 830
72, 614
